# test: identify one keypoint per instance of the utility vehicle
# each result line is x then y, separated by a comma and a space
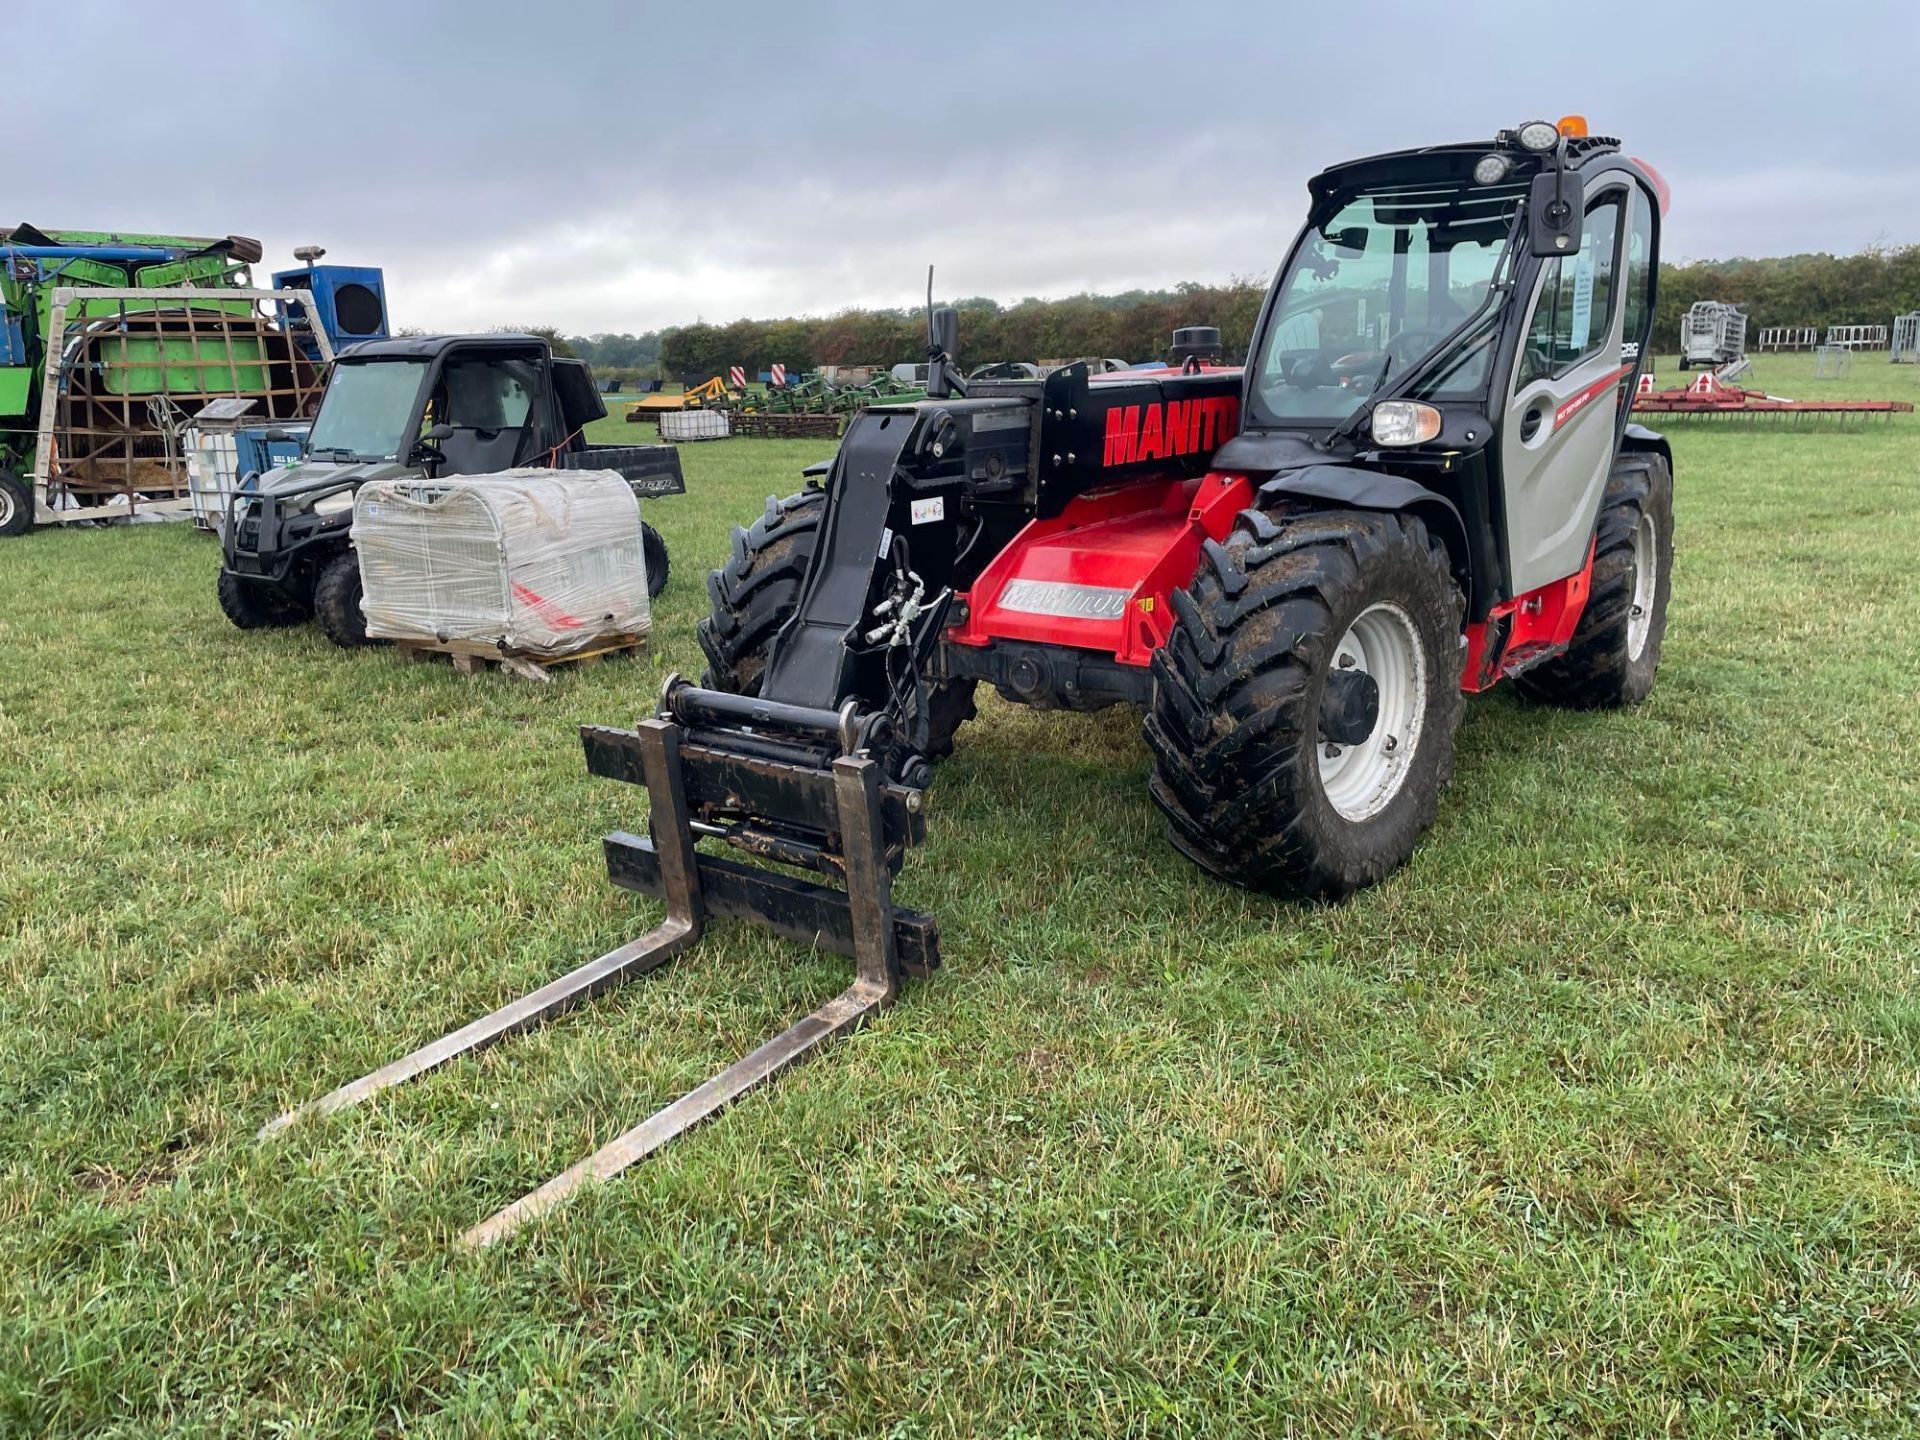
1424, 482
429, 406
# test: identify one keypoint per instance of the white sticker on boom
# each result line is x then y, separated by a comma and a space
933, 508
886, 540
985, 421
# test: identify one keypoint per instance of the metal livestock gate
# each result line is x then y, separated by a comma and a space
1906, 339
1858, 337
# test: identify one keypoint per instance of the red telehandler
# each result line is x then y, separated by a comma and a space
1424, 481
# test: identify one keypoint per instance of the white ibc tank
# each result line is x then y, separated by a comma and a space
683, 425
542, 562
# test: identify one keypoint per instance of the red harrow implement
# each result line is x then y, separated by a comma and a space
1708, 398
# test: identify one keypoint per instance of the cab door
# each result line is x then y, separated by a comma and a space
1557, 435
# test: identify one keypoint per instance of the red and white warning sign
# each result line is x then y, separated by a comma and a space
737, 377
779, 373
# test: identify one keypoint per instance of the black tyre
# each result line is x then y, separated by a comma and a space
336, 601
654, 550
1246, 696
755, 593
16, 506
252, 606
1615, 651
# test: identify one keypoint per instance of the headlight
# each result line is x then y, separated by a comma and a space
1404, 422
337, 503
1491, 170
1539, 136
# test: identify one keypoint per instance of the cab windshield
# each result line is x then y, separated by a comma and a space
1381, 279
365, 413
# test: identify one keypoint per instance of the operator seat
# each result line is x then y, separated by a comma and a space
482, 440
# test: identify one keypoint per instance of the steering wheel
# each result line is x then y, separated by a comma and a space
1309, 372
1410, 346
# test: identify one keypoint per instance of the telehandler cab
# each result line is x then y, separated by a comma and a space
1424, 482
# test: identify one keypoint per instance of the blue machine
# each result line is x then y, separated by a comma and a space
254, 452
350, 301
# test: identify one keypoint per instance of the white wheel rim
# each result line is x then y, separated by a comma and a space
1646, 577
6, 506
1361, 780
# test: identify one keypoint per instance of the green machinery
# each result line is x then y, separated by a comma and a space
111, 343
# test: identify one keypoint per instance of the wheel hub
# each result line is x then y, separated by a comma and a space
1371, 712
1350, 707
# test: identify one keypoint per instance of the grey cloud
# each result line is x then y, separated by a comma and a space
623, 167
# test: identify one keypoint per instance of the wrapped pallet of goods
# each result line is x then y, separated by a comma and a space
532, 565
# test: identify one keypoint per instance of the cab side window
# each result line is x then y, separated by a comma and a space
488, 395
1639, 272
1575, 311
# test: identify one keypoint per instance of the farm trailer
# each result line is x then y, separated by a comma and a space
109, 343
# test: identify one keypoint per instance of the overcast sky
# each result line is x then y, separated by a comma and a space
627, 166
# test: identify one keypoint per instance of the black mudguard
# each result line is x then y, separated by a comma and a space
1351, 487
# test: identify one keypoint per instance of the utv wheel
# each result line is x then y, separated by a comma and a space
16, 506
256, 607
336, 602
1615, 651
1304, 709
755, 593
654, 550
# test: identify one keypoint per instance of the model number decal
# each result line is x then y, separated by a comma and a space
1068, 602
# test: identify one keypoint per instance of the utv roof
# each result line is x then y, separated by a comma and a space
430, 347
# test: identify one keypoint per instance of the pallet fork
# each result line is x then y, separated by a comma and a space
785, 783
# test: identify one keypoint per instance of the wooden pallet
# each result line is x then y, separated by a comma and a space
470, 657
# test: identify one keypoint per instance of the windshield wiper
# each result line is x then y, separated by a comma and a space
1497, 290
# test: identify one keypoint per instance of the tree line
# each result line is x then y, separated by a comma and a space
1821, 290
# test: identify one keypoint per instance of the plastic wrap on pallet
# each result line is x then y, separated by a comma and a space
535, 562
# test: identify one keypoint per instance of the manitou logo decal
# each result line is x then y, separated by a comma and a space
1170, 427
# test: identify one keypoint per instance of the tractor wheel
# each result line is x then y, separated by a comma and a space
16, 506
755, 593
1615, 651
1304, 709
654, 549
336, 602
256, 607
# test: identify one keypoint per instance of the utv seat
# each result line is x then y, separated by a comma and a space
481, 452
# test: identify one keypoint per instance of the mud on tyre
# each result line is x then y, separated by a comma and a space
1297, 626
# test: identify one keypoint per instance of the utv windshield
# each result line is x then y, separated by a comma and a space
365, 413
1380, 281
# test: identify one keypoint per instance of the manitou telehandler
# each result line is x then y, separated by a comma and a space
1423, 482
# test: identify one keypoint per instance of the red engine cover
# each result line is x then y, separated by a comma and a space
1097, 576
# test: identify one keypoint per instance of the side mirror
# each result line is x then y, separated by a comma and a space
1556, 201
442, 431
943, 331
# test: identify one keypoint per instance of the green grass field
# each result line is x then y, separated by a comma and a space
1602, 1118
